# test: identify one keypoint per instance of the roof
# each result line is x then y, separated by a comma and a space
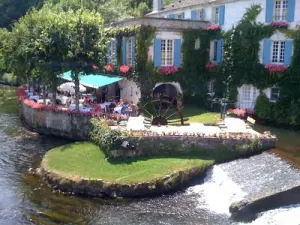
92, 80
178, 4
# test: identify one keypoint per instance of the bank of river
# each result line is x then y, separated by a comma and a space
26, 200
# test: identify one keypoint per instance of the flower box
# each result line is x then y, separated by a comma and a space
168, 70
280, 24
275, 68
210, 65
109, 67
125, 69
214, 27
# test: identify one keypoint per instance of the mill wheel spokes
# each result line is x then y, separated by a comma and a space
160, 112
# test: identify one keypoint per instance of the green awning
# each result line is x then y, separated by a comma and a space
92, 80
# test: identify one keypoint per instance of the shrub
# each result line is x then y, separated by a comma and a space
264, 109
106, 138
294, 113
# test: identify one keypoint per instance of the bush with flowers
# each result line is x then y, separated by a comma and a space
125, 69
210, 65
109, 68
279, 24
241, 113
275, 68
168, 70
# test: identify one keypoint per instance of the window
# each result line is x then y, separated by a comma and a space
274, 94
166, 52
280, 10
129, 51
214, 51
201, 14
278, 48
197, 44
211, 86
248, 93
112, 56
179, 16
215, 18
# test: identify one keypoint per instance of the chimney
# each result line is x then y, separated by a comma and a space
157, 5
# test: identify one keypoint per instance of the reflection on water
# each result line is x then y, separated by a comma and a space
26, 200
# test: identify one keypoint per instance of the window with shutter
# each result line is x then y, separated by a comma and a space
167, 52
274, 95
197, 44
278, 49
280, 10
216, 16
112, 53
129, 51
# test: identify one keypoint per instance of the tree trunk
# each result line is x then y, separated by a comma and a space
76, 81
53, 86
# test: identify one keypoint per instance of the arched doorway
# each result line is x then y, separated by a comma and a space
169, 91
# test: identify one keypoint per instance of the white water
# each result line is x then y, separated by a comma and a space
219, 191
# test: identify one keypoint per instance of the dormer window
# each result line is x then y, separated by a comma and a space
280, 10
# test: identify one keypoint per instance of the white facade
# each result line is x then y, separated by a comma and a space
129, 91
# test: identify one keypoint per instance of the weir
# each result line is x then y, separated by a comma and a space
247, 180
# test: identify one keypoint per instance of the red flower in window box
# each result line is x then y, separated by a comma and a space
168, 70
210, 65
279, 24
275, 68
213, 27
125, 68
109, 68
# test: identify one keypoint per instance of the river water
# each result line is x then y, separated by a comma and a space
26, 200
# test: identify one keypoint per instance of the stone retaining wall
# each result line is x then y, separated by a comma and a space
168, 145
73, 126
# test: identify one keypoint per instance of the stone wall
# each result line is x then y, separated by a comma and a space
167, 145
73, 126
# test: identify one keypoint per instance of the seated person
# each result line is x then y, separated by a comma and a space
87, 100
120, 103
97, 108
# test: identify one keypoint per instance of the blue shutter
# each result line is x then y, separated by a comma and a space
288, 52
291, 10
219, 51
116, 52
222, 15
108, 58
177, 52
133, 50
194, 15
267, 51
182, 15
157, 51
124, 45
171, 16
269, 10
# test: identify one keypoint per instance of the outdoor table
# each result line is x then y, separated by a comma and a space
41, 101
73, 107
34, 97
118, 109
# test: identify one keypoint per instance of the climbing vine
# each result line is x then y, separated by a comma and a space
194, 75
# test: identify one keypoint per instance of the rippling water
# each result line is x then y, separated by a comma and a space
26, 200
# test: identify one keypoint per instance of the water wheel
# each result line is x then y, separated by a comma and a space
160, 112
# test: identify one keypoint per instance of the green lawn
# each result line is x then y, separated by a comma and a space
196, 114
85, 159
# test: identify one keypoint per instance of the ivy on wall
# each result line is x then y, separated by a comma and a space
193, 75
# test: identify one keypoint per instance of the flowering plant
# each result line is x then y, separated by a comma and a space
210, 65
125, 68
95, 67
213, 27
273, 68
168, 70
109, 67
238, 112
279, 24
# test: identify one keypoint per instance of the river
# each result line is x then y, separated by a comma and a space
24, 199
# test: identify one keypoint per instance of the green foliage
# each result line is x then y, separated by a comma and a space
12, 10
127, 31
144, 69
241, 52
193, 75
108, 139
264, 108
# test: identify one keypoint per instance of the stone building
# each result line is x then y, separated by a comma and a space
170, 20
